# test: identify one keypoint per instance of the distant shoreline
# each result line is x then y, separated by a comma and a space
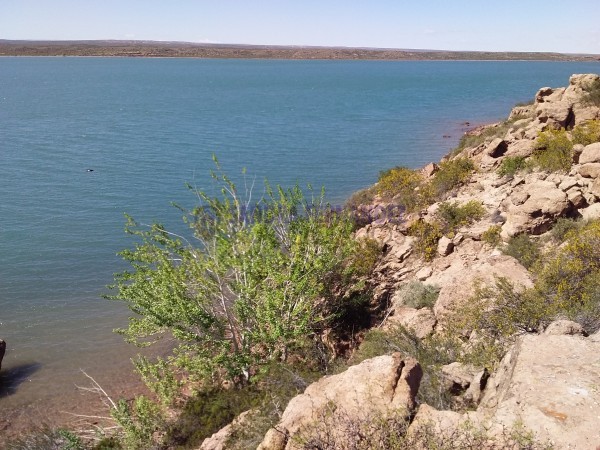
150, 49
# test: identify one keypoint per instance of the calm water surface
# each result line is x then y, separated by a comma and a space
147, 126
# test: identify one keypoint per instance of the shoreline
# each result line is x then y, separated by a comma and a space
150, 49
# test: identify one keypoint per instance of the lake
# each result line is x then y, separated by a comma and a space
83, 140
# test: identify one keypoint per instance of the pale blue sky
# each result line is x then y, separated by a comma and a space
500, 25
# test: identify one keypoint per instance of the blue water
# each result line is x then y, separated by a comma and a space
147, 126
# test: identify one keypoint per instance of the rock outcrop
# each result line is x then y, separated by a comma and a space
376, 387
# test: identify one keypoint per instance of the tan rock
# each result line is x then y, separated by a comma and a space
439, 423
496, 148
576, 197
523, 148
445, 246
429, 170
376, 387
564, 327
549, 383
577, 149
592, 212
590, 154
457, 283
458, 376
219, 440
555, 114
545, 202
423, 273
421, 321
590, 170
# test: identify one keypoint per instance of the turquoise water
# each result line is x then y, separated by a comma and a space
147, 126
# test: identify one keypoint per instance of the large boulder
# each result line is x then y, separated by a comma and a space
549, 383
420, 321
459, 281
590, 154
374, 389
533, 207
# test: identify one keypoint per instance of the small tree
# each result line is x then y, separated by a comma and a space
256, 280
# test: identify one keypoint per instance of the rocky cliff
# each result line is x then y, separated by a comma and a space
538, 168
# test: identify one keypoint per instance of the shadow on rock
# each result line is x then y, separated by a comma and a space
11, 378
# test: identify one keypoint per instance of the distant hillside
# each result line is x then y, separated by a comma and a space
192, 50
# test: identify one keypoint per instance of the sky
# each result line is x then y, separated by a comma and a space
491, 25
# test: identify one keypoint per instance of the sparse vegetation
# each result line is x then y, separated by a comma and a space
416, 294
390, 431
592, 94
524, 249
586, 133
451, 174
491, 236
427, 236
399, 183
553, 151
511, 165
453, 215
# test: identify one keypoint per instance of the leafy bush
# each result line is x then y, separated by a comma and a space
586, 133
563, 227
591, 95
258, 281
570, 280
524, 250
454, 215
553, 151
416, 294
511, 165
491, 236
139, 421
497, 313
451, 174
427, 236
362, 197
400, 183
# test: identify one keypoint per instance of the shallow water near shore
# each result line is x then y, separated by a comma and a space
83, 140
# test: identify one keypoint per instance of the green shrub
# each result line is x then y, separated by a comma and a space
246, 286
524, 250
139, 421
511, 165
491, 236
416, 294
427, 236
362, 197
570, 280
454, 215
399, 183
553, 151
586, 133
563, 227
591, 95
451, 174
